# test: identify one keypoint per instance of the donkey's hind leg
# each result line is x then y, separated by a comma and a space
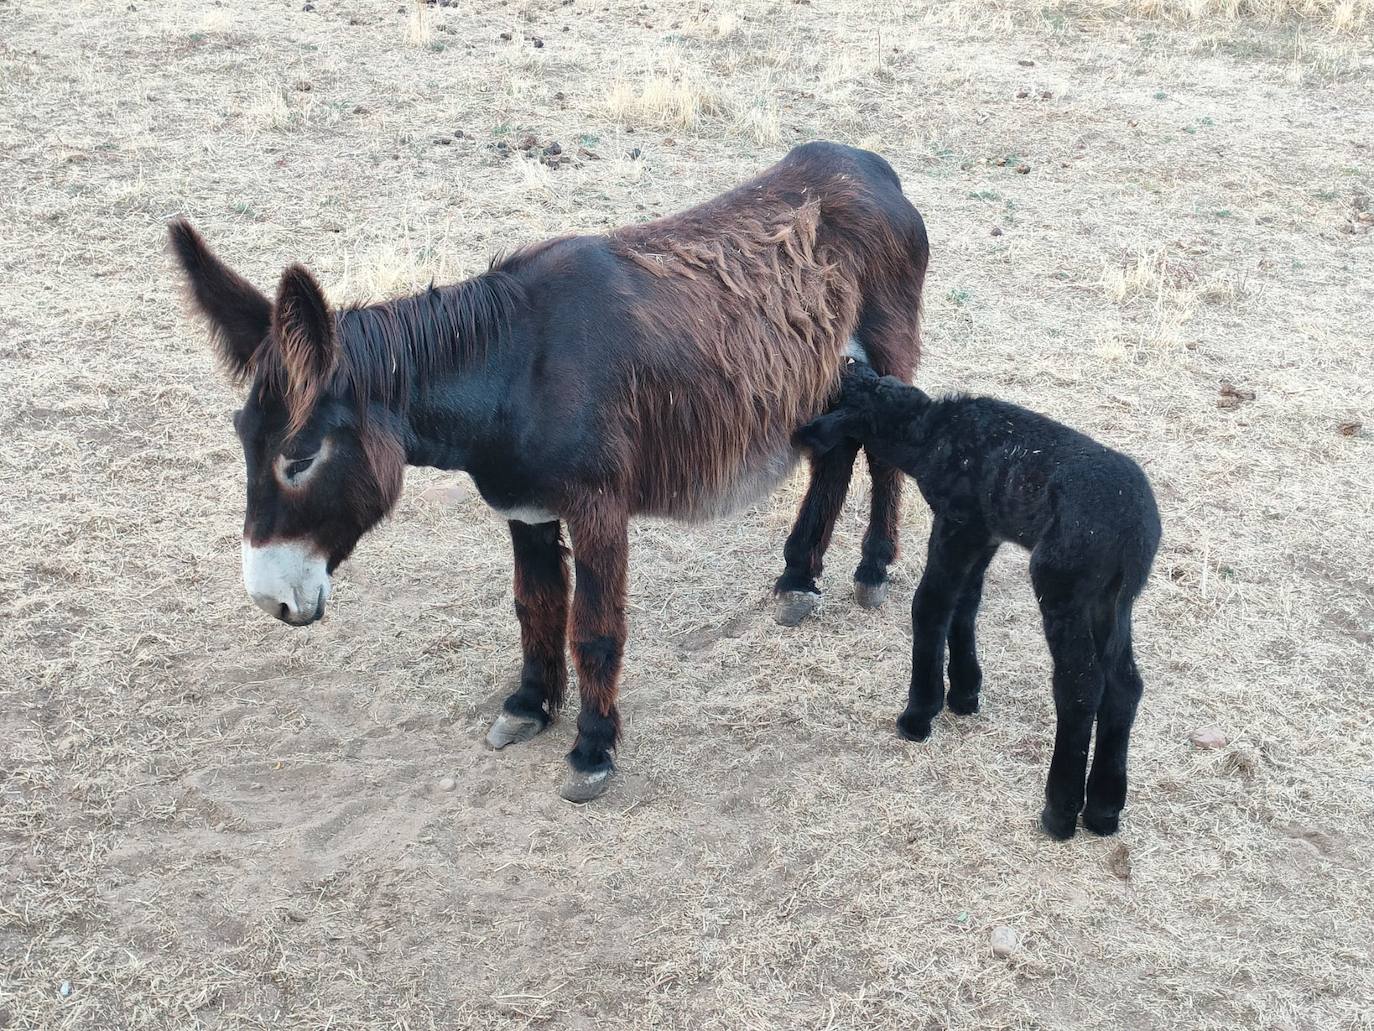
541, 605
796, 591
880, 540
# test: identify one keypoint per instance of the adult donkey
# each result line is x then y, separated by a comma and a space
659, 369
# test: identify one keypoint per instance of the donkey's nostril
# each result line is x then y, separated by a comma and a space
284, 613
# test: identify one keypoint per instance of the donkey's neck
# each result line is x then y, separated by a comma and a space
433, 361
453, 421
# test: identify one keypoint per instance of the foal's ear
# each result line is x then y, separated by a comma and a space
304, 327
238, 314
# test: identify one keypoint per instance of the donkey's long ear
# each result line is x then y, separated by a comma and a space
238, 314
304, 328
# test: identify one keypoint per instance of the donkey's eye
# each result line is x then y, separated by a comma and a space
295, 471
296, 466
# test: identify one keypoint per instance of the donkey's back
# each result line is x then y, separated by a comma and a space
698, 342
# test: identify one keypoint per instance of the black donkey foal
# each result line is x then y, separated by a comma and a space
994, 472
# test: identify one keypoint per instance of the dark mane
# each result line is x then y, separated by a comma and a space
389, 346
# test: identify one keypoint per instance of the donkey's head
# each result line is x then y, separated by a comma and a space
322, 467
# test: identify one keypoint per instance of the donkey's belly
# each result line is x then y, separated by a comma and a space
753, 482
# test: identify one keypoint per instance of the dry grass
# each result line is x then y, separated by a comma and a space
209, 821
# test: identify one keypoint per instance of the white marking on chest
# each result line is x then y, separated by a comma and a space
531, 514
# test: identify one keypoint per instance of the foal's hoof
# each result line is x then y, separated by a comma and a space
964, 705
791, 607
1059, 826
1102, 824
912, 729
870, 596
583, 787
510, 730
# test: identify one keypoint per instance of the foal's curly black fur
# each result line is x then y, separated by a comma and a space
994, 472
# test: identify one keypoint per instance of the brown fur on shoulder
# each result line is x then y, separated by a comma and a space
755, 295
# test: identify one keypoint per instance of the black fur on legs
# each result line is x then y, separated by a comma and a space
598, 724
994, 472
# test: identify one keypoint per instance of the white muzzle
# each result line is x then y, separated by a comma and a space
286, 579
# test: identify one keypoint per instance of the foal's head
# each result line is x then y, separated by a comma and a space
323, 465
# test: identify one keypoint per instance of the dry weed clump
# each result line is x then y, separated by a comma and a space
665, 101
1340, 16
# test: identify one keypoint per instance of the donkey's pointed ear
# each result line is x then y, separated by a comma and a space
239, 316
304, 327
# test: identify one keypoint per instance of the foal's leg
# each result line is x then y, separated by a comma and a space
541, 605
965, 675
880, 540
600, 553
1078, 688
796, 590
953, 550
1107, 781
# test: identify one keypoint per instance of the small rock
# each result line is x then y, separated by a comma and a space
537, 43
1022, 94
553, 149
447, 783
443, 141
360, 110
1046, 95
587, 155
1208, 737
64, 989
219, 827
307, 7
504, 36
634, 154
304, 86
529, 142
996, 230
1026, 62
1348, 429
560, 96
458, 134
1003, 942
1023, 169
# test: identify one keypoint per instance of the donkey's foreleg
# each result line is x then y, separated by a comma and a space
600, 553
796, 590
541, 605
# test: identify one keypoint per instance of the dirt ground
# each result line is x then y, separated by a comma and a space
209, 820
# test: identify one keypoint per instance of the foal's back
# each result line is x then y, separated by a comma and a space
1031, 477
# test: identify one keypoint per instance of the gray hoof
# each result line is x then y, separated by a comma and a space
583, 787
870, 596
791, 607
510, 730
